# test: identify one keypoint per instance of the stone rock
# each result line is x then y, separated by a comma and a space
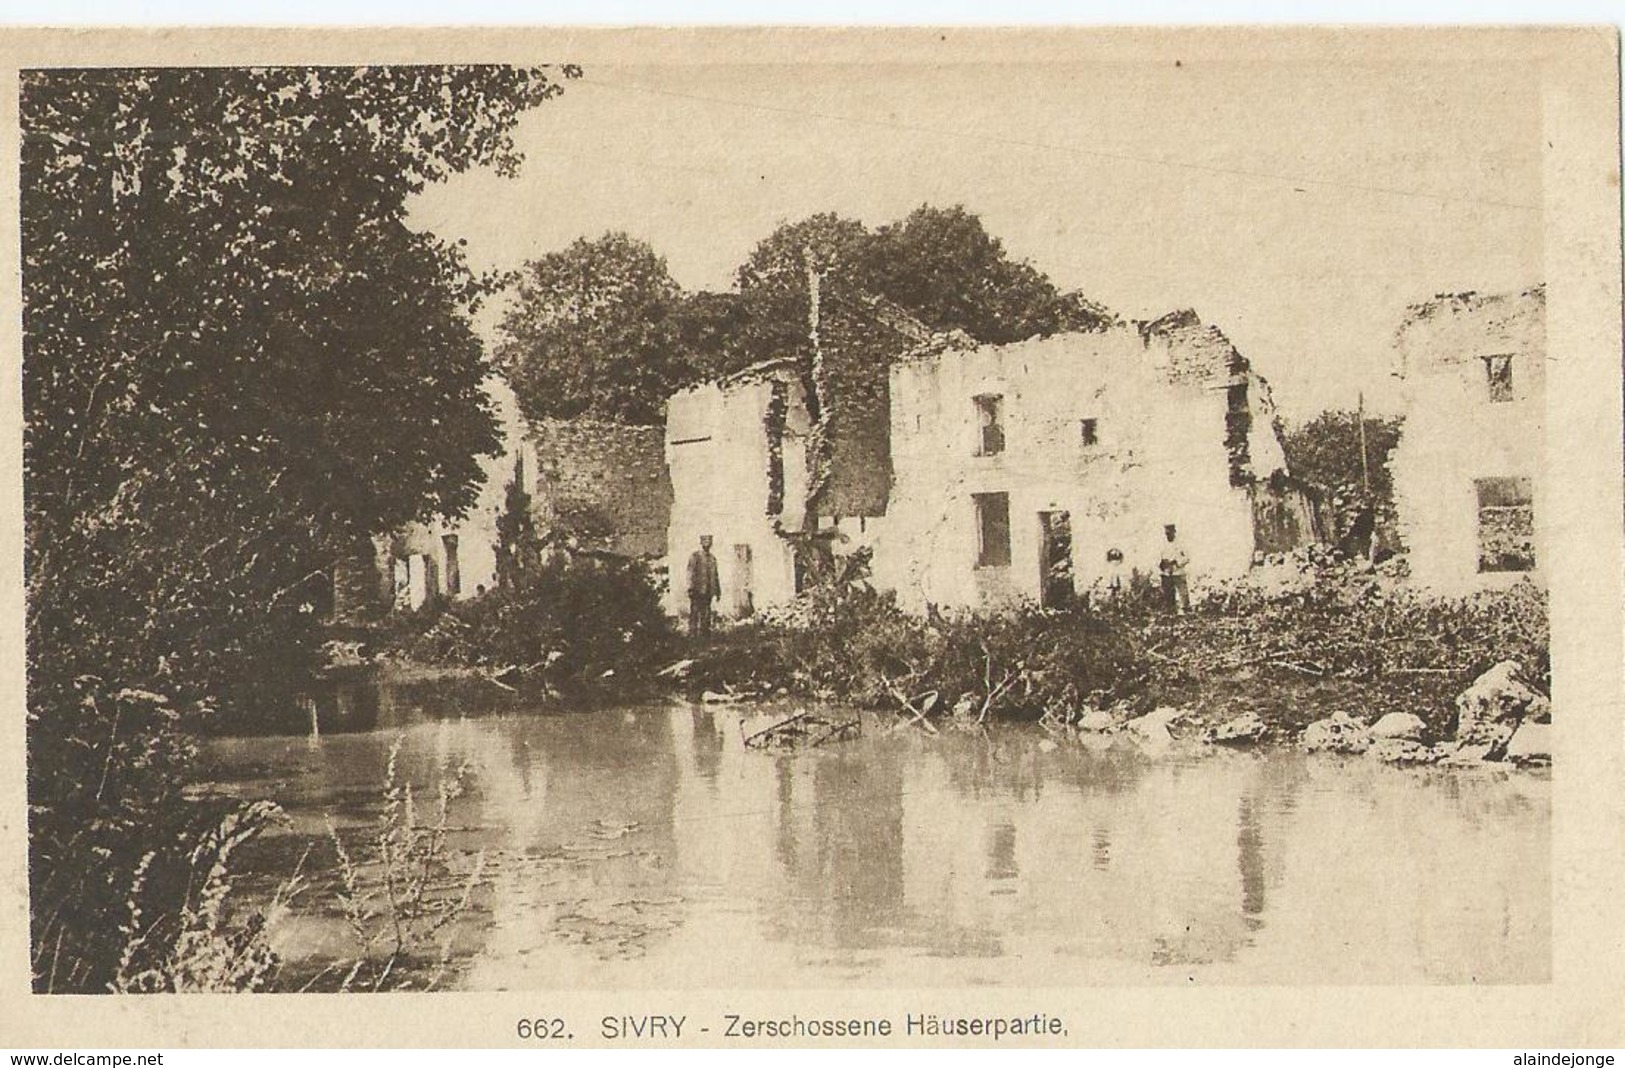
1465, 756
1242, 730
1149, 728
1337, 733
1096, 721
1402, 751
1403, 726
1150, 735
1097, 742
1540, 710
1531, 743
1045, 745
1489, 710
1165, 715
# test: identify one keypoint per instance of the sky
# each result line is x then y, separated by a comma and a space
1298, 203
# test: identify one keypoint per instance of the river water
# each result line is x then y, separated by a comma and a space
646, 847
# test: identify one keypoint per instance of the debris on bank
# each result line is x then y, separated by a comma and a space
1245, 729
804, 730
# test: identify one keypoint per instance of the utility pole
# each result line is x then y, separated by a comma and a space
812, 296
1365, 461
817, 403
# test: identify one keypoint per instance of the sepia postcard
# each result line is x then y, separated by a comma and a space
813, 537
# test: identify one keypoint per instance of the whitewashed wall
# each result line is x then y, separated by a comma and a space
717, 454
1160, 459
1454, 434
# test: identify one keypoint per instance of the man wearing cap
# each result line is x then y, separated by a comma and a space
704, 586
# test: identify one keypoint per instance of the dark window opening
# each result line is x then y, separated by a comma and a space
990, 418
1506, 525
1091, 431
1498, 373
1056, 588
993, 529
1238, 427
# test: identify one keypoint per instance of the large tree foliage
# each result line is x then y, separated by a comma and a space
600, 328
594, 331
945, 268
940, 265
1326, 451
238, 359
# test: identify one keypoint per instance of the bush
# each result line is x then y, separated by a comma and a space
855, 644
1343, 640
124, 863
1357, 639
570, 623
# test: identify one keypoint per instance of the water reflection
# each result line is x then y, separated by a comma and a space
646, 847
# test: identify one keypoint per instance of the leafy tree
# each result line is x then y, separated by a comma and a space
238, 359
945, 268
601, 329
939, 265
1326, 452
773, 280
595, 331
712, 333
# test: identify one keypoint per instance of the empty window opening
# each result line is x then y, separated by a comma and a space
1506, 525
1498, 374
744, 600
993, 529
990, 419
1090, 431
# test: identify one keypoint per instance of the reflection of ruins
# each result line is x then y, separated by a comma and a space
646, 847
839, 844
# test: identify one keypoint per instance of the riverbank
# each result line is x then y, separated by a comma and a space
1279, 659
1262, 660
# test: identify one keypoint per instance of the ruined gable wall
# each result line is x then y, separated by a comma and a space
716, 448
1454, 434
1160, 458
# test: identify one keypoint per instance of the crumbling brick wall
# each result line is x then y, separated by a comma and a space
604, 484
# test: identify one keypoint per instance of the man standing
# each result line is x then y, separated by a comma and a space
704, 586
1173, 565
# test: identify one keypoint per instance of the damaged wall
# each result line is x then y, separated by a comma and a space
724, 478
604, 484
1468, 469
1124, 430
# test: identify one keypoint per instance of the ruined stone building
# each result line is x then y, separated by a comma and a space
1468, 468
738, 451
1009, 471
593, 487
1018, 468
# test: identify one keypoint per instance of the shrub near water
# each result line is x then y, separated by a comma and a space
1343, 641
1348, 638
856, 644
567, 625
